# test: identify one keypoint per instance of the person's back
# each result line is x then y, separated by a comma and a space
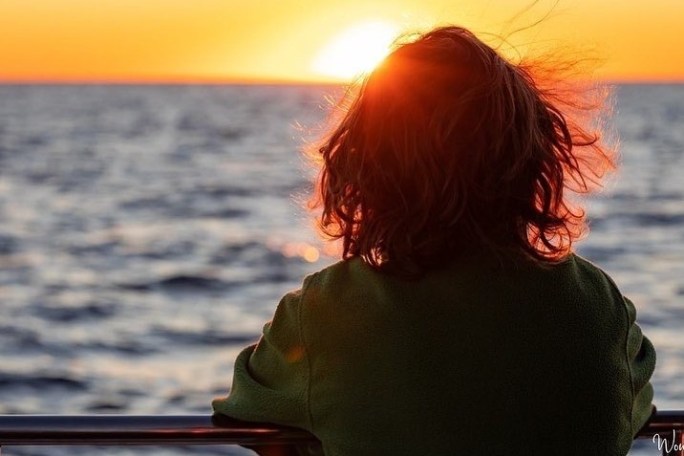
459, 321
479, 358
472, 359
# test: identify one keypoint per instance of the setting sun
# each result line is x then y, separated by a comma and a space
356, 50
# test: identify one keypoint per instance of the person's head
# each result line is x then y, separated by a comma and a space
448, 149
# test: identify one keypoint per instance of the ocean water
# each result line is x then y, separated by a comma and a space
149, 231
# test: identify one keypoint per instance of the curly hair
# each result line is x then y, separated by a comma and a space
447, 149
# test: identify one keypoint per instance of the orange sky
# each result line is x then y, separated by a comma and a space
248, 40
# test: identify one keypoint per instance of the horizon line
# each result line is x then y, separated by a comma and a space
247, 81
168, 80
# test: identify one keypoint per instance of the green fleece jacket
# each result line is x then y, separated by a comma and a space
479, 358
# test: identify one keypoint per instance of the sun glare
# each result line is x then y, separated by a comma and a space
356, 50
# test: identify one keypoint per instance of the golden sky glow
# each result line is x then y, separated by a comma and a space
286, 40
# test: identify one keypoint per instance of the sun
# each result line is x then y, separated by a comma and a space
356, 50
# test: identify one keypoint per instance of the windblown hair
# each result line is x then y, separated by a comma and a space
449, 149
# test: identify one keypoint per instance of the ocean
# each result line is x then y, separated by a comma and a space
148, 232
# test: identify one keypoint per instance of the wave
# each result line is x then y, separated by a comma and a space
181, 282
41, 381
203, 337
89, 311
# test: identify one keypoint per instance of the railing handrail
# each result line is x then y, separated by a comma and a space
142, 430
200, 429
663, 421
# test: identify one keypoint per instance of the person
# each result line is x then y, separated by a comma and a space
459, 321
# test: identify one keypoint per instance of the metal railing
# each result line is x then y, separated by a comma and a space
666, 430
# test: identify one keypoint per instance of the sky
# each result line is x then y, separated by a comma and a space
314, 40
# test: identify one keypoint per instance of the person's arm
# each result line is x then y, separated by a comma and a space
641, 357
271, 378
